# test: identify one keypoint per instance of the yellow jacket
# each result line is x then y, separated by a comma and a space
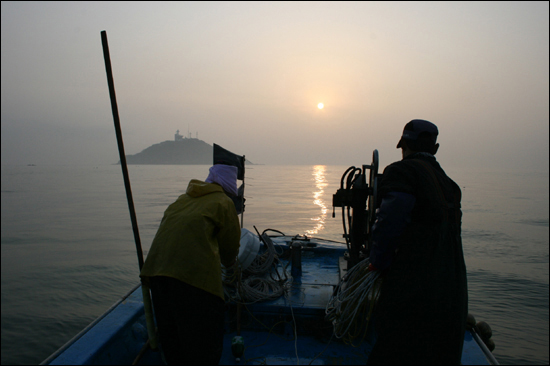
198, 231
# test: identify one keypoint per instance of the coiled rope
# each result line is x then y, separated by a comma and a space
352, 303
261, 281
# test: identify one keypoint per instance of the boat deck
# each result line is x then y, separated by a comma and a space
267, 327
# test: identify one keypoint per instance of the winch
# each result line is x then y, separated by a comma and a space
358, 200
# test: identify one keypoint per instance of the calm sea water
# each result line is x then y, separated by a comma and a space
68, 251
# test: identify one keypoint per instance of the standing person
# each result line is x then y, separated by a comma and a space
198, 231
423, 304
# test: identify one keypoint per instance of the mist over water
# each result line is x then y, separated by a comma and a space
68, 251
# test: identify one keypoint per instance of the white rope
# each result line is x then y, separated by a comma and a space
350, 306
261, 281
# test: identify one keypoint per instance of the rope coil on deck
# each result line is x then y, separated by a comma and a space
261, 281
352, 303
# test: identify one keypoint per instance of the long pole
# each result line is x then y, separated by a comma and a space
145, 289
242, 199
121, 153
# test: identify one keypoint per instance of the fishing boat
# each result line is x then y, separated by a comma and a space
289, 312
291, 300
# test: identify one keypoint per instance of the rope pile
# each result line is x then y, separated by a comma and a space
261, 281
351, 305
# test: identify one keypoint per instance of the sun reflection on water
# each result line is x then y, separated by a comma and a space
320, 183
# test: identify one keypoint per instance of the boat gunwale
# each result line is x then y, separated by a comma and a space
80, 334
488, 354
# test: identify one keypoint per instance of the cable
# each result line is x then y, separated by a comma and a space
288, 285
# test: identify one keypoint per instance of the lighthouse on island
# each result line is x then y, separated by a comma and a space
178, 137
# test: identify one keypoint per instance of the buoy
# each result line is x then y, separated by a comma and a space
249, 248
490, 344
470, 321
484, 330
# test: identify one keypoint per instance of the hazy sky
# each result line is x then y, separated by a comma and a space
249, 76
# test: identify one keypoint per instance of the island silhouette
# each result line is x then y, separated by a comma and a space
180, 151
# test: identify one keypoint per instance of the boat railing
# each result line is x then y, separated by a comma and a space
90, 326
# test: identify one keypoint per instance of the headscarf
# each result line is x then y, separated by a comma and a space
225, 176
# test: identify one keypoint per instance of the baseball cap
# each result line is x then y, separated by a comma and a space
414, 128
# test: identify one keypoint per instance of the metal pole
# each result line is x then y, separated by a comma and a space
144, 288
118, 130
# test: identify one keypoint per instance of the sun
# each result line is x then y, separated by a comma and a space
320, 105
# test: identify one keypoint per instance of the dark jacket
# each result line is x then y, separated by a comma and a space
423, 302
